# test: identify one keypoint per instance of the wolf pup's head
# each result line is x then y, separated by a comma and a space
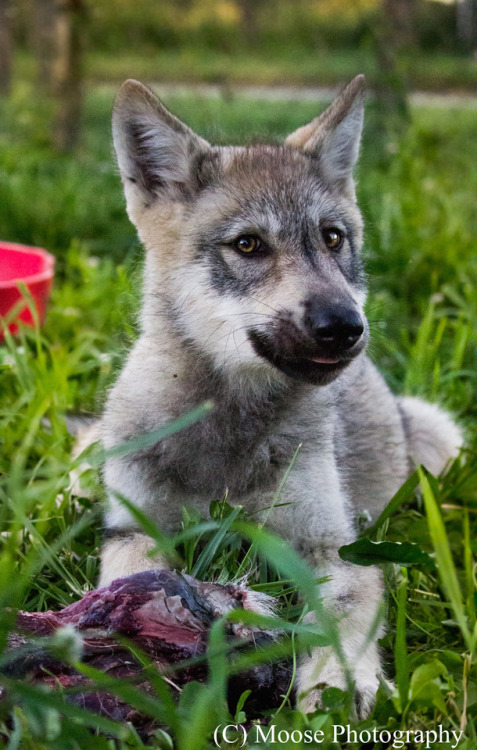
252, 252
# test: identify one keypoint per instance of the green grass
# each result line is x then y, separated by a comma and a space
416, 195
283, 64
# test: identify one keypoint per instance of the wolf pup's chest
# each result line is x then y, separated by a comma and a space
210, 459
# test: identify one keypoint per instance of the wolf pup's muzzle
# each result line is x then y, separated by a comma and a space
335, 330
329, 338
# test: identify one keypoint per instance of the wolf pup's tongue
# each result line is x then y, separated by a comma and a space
325, 360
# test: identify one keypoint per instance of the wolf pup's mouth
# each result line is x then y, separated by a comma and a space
317, 370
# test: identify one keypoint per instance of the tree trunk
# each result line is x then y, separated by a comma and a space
5, 47
401, 16
66, 72
466, 17
250, 23
390, 84
44, 12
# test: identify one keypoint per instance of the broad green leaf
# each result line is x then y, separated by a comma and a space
425, 685
366, 552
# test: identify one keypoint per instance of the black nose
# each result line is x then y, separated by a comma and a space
335, 329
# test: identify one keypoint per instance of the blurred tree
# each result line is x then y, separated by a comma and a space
6, 46
250, 10
43, 39
392, 113
401, 18
66, 72
58, 44
466, 24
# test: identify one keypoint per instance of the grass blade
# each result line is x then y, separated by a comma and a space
445, 563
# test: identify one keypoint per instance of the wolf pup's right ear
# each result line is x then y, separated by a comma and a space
155, 150
334, 137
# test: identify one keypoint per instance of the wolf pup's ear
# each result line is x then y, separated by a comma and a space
334, 137
155, 150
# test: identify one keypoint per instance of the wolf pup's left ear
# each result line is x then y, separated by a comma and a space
334, 137
155, 150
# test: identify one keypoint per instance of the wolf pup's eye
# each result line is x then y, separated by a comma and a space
247, 244
333, 237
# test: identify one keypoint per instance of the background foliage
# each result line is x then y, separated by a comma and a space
263, 41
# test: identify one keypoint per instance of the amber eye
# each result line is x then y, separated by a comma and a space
333, 238
247, 244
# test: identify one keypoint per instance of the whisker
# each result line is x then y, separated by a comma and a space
214, 331
233, 331
256, 299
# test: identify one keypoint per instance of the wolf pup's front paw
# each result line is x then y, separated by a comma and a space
323, 670
364, 700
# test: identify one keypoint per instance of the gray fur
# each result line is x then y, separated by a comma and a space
253, 333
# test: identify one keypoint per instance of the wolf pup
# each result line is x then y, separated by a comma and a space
253, 297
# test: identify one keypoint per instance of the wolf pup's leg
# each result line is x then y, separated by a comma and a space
125, 553
354, 595
318, 521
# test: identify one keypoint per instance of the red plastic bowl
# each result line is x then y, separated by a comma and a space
33, 267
